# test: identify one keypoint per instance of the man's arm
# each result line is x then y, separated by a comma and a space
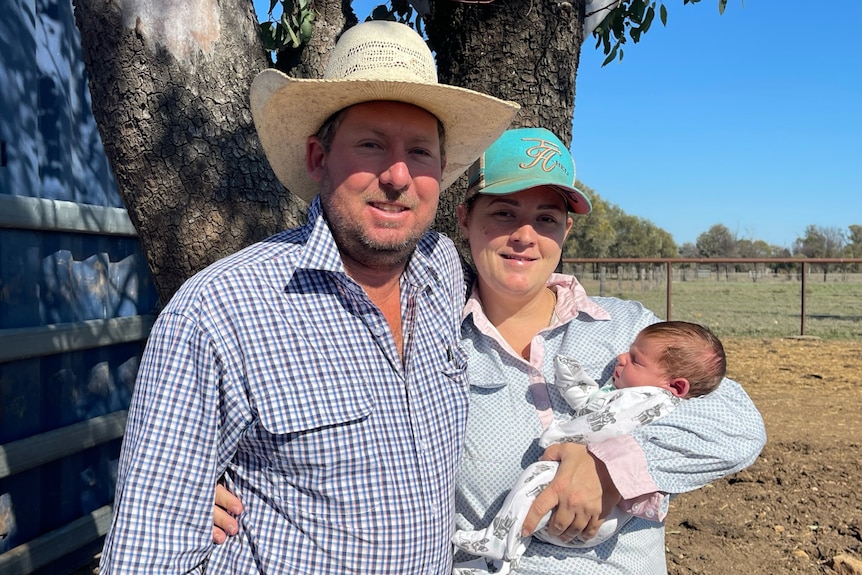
169, 463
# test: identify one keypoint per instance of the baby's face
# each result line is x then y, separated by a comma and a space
639, 366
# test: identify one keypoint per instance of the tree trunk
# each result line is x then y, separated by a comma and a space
525, 51
169, 85
309, 61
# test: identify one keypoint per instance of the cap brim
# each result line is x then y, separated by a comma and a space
577, 201
287, 110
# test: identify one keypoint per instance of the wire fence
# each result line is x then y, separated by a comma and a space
827, 290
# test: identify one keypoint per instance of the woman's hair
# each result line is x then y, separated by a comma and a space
691, 351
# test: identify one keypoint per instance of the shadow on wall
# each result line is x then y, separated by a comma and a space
52, 145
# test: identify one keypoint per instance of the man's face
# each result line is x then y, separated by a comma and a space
379, 181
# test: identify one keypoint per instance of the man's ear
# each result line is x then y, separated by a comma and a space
315, 158
679, 387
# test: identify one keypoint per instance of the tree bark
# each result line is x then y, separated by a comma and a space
521, 50
169, 85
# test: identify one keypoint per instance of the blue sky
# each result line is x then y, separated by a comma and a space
751, 119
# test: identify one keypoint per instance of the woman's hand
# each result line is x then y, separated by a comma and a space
581, 495
227, 507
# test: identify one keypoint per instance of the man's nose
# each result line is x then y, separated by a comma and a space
397, 175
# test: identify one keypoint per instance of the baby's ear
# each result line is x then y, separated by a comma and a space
679, 387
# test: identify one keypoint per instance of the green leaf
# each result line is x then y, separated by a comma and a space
650, 14
400, 6
637, 10
618, 28
294, 41
279, 37
612, 56
267, 36
305, 30
272, 4
381, 12
663, 15
722, 4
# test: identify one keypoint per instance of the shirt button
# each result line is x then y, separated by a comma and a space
542, 405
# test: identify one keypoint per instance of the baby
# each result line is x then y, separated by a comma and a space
668, 362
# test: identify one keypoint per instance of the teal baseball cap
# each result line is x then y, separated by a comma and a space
525, 158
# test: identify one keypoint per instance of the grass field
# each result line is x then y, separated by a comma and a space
748, 309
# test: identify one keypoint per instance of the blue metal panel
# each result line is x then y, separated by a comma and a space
51, 149
55, 494
42, 394
21, 397
50, 278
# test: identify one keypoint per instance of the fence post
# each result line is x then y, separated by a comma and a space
669, 292
802, 317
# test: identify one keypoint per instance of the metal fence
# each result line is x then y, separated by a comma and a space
76, 305
666, 271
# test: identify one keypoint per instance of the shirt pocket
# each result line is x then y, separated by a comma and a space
317, 448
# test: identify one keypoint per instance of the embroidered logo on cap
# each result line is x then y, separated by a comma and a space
544, 153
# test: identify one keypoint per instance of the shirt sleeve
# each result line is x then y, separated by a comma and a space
702, 440
174, 450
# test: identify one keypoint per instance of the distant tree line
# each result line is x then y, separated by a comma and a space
611, 233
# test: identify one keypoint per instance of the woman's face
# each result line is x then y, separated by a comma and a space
515, 240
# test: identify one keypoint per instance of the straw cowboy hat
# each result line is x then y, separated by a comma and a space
375, 60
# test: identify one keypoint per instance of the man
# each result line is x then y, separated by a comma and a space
319, 370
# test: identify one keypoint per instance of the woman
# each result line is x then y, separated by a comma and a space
519, 316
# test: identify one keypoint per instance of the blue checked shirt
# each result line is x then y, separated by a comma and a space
273, 365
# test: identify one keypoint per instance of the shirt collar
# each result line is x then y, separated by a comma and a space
572, 299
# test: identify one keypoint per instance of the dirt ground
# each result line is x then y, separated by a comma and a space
798, 507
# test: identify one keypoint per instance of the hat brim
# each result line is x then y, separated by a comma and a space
287, 110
